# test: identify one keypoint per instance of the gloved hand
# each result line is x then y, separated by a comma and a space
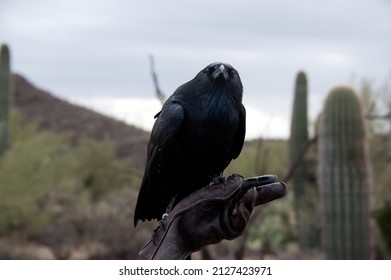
211, 214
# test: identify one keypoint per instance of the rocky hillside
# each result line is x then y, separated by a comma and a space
55, 114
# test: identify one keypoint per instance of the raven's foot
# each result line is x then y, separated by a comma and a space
218, 180
161, 225
234, 175
170, 205
161, 222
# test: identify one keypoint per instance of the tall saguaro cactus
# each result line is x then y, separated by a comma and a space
304, 193
5, 79
344, 177
299, 125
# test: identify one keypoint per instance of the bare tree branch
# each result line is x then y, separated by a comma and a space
261, 156
299, 160
379, 117
241, 250
159, 94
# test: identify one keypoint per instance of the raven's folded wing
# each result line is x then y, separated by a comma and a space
163, 137
238, 141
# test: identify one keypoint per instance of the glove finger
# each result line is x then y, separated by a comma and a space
270, 192
258, 181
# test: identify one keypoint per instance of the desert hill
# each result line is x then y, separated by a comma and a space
55, 114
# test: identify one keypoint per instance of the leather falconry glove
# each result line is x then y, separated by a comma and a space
211, 214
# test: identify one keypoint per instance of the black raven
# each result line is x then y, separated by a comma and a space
199, 130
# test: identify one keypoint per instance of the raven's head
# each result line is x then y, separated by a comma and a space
217, 77
223, 75
219, 71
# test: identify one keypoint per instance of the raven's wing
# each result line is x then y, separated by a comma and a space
150, 200
238, 141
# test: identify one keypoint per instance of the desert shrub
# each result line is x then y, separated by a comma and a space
42, 177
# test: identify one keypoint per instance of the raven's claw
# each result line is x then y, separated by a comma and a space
218, 180
161, 225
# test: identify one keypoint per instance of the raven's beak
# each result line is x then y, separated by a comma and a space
220, 73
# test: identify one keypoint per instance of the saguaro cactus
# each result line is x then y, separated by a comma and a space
5, 79
299, 125
344, 175
304, 193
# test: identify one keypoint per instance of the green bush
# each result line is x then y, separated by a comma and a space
42, 176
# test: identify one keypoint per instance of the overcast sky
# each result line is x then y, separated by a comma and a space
95, 52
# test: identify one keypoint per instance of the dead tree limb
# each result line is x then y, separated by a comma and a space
299, 160
159, 94
379, 117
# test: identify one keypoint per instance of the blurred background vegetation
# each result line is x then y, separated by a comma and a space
69, 178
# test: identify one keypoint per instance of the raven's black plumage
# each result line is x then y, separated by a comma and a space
199, 130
